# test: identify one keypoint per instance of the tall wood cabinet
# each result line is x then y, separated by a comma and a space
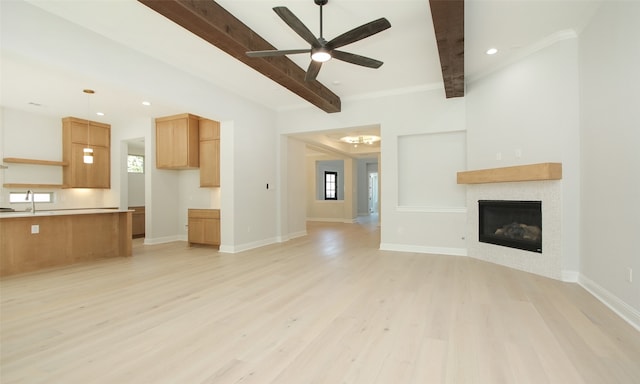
204, 226
209, 153
78, 134
177, 142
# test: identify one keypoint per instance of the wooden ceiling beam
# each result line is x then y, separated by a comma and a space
214, 24
448, 22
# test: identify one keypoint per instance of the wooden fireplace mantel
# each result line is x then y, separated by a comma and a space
530, 172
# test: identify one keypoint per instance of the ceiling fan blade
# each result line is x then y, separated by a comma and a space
312, 71
360, 33
356, 59
292, 21
270, 53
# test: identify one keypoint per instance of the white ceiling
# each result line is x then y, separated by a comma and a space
408, 49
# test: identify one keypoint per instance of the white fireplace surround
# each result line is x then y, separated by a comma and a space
548, 263
533, 182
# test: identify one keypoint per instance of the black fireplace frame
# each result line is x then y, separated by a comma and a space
499, 240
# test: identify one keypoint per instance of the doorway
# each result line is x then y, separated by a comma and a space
373, 193
136, 185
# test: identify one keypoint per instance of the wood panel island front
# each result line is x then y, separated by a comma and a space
30, 242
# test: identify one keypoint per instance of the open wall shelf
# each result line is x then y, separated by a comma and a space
16, 160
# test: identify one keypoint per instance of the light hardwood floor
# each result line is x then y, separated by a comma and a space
325, 308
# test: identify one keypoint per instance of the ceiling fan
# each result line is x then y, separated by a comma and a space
322, 50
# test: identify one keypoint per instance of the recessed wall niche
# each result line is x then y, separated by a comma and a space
427, 166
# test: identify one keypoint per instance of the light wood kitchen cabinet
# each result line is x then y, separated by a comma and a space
209, 153
95, 134
177, 142
81, 175
204, 226
63, 238
78, 134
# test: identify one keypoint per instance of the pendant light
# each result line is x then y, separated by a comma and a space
87, 152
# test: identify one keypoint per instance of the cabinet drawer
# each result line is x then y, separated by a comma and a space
204, 226
204, 213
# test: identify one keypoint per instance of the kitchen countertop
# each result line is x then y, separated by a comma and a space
61, 212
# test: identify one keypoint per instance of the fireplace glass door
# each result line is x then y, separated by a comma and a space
515, 224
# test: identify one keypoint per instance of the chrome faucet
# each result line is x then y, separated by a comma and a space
33, 200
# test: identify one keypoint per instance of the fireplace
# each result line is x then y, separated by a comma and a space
515, 224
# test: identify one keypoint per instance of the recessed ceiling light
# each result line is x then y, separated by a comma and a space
146, 103
100, 113
491, 51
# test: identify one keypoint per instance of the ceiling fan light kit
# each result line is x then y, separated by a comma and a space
322, 50
320, 55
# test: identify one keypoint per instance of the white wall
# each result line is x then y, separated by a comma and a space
3, 201
293, 193
610, 159
318, 209
528, 113
531, 106
352, 188
254, 166
418, 111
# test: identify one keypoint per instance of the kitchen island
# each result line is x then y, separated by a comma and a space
30, 242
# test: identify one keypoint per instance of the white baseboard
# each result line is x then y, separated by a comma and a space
423, 249
332, 220
257, 244
246, 246
622, 309
163, 240
226, 249
570, 276
290, 236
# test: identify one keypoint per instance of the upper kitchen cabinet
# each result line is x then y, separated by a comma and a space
78, 134
177, 142
209, 153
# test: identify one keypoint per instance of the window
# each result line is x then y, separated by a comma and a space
329, 188
135, 164
21, 197
330, 185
